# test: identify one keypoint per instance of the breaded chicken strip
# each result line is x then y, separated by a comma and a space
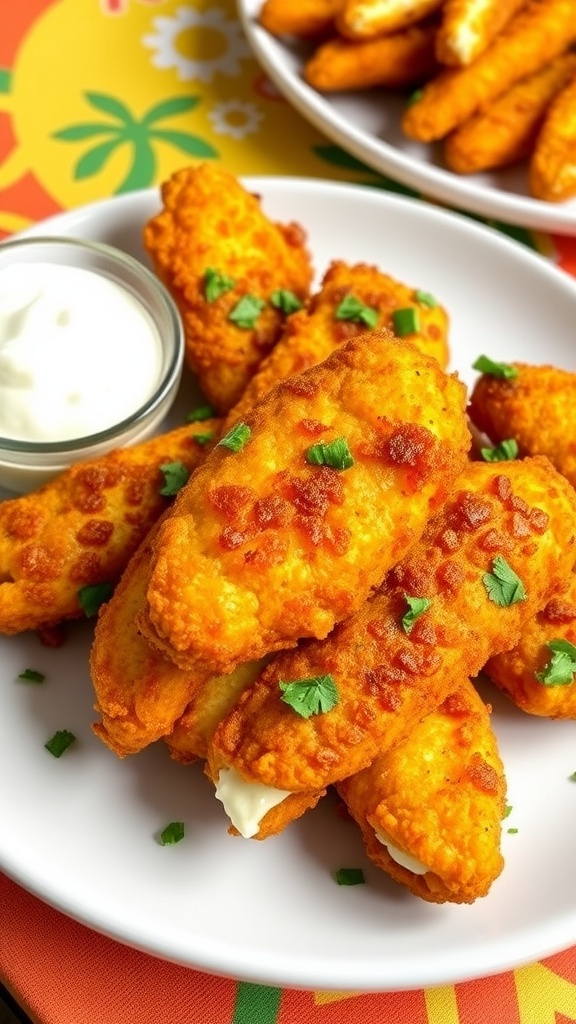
430, 809
536, 408
364, 19
300, 509
539, 673
468, 27
541, 31
506, 130
307, 18
397, 61
488, 560
552, 174
222, 260
81, 528
349, 295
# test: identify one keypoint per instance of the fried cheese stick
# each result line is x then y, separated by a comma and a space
467, 28
81, 528
222, 260
430, 809
536, 408
300, 510
552, 173
336, 313
389, 671
364, 19
506, 130
537, 677
541, 31
396, 61
307, 18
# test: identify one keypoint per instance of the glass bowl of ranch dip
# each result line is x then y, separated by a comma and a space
91, 355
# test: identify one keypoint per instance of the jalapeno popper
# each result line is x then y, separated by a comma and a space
300, 509
488, 560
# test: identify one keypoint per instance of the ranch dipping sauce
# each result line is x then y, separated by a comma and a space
78, 352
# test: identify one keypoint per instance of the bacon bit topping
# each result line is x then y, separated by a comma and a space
448, 541
95, 533
272, 550
304, 387
423, 632
409, 445
231, 538
520, 525
315, 493
272, 512
558, 610
381, 629
455, 705
502, 487
450, 577
313, 427
494, 540
539, 520
482, 774
231, 499
380, 683
470, 511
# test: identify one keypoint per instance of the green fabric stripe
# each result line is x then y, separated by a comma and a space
5, 79
256, 1004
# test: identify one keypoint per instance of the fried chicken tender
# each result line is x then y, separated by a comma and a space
281, 539
396, 61
312, 334
210, 225
390, 671
81, 528
536, 408
364, 19
517, 671
307, 18
506, 130
468, 27
430, 809
552, 172
539, 33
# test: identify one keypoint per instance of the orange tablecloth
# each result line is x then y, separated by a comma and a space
76, 76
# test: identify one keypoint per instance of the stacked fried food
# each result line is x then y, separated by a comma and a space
494, 80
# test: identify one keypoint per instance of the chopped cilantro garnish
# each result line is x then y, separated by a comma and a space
416, 607
351, 308
313, 696
59, 742
30, 675
572, 777
201, 412
173, 833
286, 301
414, 97
216, 284
501, 452
512, 831
335, 454
425, 299
503, 586
507, 811
204, 438
175, 476
94, 595
560, 669
236, 438
246, 311
349, 876
406, 321
492, 369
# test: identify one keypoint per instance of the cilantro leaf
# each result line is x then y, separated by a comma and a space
312, 696
560, 669
204, 438
236, 438
216, 284
503, 586
201, 412
335, 454
94, 595
286, 301
246, 311
501, 452
175, 476
416, 607
351, 308
349, 876
502, 370
30, 675
173, 833
59, 742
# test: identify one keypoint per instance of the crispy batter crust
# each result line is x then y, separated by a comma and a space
264, 548
364, 19
439, 795
468, 27
552, 173
388, 679
402, 59
307, 18
209, 220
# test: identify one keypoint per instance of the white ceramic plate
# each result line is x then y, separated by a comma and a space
79, 831
367, 124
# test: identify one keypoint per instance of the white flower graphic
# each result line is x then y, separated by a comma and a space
175, 46
235, 118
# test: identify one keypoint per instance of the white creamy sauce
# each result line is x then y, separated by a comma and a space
78, 352
246, 803
405, 860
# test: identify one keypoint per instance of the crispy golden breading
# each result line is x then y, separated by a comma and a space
537, 409
307, 18
552, 174
209, 222
312, 334
139, 694
439, 798
270, 543
515, 671
505, 130
397, 61
388, 675
541, 31
468, 27
81, 528
364, 19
